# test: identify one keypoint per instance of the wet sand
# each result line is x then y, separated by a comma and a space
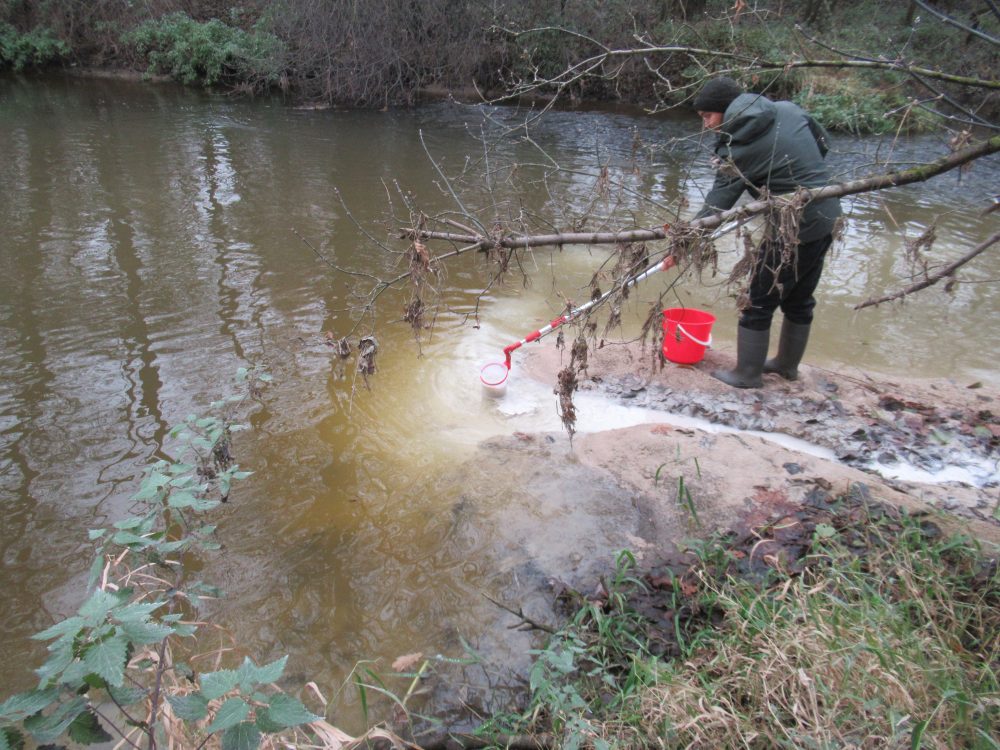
857, 419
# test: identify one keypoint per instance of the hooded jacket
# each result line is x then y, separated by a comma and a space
774, 145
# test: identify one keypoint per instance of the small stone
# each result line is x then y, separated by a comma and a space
792, 468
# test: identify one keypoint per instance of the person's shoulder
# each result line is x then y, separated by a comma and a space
790, 107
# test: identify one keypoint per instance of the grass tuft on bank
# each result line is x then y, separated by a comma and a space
863, 628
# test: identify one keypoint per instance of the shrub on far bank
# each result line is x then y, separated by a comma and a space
30, 49
209, 52
859, 105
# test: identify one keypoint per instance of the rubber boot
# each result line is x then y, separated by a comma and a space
751, 351
791, 347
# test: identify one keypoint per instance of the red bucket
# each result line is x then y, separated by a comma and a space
686, 334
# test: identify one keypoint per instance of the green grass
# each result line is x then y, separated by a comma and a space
887, 636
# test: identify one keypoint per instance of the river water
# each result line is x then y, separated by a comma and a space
153, 243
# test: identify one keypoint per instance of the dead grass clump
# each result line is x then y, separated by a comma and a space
899, 647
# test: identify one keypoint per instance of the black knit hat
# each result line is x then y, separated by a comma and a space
717, 95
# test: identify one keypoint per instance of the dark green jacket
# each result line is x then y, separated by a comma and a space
774, 145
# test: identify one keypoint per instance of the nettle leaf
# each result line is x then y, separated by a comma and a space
46, 728
11, 739
107, 659
181, 468
151, 486
230, 713
75, 675
93, 534
124, 695
136, 611
23, 705
243, 736
128, 539
55, 665
184, 499
181, 499
141, 633
216, 684
251, 674
286, 711
168, 547
95, 571
127, 524
71, 625
193, 707
185, 630
96, 608
87, 730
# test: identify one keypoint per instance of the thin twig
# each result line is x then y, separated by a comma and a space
956, 23
525, 620
948, 270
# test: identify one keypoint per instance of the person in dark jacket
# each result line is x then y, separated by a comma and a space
777, 146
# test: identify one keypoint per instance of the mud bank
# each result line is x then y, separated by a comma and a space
907, 440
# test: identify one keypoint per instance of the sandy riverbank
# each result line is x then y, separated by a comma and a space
906, 429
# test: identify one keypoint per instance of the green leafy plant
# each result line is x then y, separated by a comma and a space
684, 497
114, 669
30, 49
589, 671
209, 52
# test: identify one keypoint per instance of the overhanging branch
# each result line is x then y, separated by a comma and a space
852, 187
944, 273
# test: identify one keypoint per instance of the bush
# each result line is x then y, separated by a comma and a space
31, 49
859, 106
209, 52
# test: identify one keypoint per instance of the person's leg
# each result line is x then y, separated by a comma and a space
755, 323
798, 305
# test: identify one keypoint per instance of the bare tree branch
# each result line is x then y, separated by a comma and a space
956, 23
851, 187
945, 272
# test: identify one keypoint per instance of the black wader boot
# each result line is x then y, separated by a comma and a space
791, 347
751, 351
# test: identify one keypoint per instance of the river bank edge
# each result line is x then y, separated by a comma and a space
889, 432
715, 479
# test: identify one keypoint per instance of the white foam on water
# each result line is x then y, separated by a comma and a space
531, 406
976, 471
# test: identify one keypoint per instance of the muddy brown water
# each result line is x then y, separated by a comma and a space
148, 252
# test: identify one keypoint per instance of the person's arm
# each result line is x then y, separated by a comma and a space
726, 190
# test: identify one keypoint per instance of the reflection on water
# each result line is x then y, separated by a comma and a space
149, 252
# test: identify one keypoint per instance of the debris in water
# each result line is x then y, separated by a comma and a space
566, 388
367, 349
413, 314
578, 354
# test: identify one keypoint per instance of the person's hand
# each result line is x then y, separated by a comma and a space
669, 262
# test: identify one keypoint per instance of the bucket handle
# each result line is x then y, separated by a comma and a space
697, 341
